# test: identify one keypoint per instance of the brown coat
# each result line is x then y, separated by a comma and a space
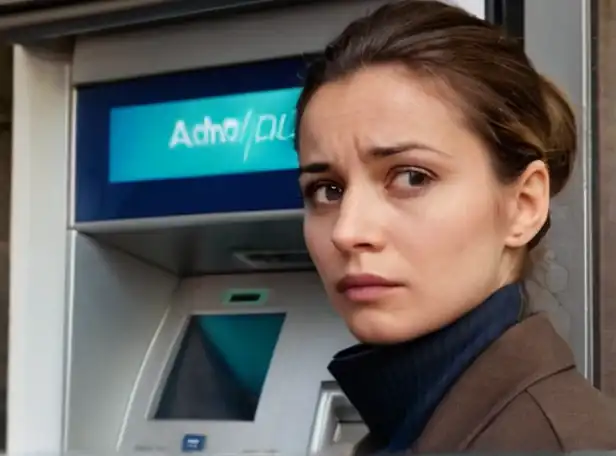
523, 394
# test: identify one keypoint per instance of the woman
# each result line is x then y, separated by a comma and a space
429, 149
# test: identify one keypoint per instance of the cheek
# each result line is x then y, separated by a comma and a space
452, 231
317, 234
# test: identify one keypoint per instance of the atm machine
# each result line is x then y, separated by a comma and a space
217, 336
160, 283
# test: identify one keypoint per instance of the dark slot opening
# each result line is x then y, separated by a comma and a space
245, 297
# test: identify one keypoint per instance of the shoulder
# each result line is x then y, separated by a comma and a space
562, 412
582, 417
523, 394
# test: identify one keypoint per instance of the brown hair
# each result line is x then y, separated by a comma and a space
519, 114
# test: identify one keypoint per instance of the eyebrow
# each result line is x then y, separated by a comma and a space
388, 151
375, 152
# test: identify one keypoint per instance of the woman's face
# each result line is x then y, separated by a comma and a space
405, 219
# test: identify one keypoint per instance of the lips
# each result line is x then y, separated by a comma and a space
365, 287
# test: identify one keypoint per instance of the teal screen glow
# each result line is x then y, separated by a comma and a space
231, 134
221, 367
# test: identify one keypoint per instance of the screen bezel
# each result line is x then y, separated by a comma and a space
167, 368
294, 375
97, 199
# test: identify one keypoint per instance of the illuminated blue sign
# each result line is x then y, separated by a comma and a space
208, 141
232, 134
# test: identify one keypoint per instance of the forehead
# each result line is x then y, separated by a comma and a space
376, 106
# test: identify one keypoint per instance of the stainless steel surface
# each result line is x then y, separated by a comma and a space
588, 146
214, 247
187, 46
26, 22
337, 426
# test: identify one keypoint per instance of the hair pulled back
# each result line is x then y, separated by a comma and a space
519, 114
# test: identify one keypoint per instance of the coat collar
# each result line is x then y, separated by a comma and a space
527, 353
524, 355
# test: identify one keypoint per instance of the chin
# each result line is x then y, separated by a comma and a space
376, 337
377, 328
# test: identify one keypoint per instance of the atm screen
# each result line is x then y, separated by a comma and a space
162, 145
246, 132
220, 367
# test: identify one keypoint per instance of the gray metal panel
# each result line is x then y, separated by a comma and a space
250, 37
127, 300
337, 427
558, 42
40, 251
28, 21
206, 247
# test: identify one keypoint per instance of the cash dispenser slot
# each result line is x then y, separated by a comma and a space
337, 425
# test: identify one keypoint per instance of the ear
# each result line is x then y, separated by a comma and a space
530, 204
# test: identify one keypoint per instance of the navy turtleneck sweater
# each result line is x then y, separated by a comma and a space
396, 388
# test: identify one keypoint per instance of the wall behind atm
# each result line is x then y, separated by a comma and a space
6, 89
605, 110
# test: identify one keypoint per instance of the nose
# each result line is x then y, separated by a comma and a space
359, 224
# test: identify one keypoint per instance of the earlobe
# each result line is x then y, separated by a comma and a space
530, 204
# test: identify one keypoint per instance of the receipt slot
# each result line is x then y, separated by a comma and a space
337, 427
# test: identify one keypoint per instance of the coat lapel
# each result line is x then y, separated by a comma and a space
525, 354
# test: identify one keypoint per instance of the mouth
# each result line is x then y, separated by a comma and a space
365, 287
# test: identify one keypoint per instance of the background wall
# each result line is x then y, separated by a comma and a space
606, 185
562, 275
6, 90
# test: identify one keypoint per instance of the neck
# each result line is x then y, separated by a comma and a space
396, 388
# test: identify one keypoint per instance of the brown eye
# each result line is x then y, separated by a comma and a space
411, 178
326, 194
